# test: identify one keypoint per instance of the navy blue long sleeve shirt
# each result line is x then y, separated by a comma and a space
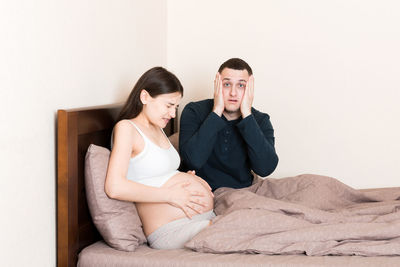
224, 152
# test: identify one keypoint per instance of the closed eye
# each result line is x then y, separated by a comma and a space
170, 106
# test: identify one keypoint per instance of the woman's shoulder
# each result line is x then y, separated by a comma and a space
126, 133
125, 127
123, 123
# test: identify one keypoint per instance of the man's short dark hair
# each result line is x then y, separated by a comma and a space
236, 64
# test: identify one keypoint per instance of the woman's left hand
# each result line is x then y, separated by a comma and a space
192, 172
203, 182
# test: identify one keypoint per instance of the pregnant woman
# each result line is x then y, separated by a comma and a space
173, 206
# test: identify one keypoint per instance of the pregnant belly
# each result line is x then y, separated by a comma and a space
154, 215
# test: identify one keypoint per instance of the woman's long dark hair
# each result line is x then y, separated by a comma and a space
156, 81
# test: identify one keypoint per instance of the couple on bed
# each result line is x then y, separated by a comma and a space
221, 140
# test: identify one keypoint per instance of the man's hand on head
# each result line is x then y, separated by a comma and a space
248, 96
218, 96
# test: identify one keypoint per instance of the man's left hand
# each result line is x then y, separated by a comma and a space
248, 96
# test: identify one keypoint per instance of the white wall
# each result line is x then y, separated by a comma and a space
60, 54
327, 72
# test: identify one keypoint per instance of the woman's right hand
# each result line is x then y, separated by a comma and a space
180, 196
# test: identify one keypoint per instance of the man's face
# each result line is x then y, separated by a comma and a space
233, 87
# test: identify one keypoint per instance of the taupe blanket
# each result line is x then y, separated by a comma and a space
306, 214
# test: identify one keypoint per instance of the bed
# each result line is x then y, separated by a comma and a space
80, 244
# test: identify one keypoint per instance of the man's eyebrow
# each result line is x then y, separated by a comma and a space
241, 80
172, 104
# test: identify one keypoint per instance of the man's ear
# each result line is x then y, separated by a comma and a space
144, 96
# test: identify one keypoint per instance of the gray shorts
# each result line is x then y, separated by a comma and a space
176, 233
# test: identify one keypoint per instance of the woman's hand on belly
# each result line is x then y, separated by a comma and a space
188, 193
199, 200
203, 182
185, 198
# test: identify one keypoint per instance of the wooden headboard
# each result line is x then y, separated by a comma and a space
77, 129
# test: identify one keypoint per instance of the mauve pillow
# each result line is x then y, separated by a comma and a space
117, 221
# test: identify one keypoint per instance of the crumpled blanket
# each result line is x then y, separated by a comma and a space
307, 214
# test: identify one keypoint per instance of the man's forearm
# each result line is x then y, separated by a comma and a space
196, 143
260, 145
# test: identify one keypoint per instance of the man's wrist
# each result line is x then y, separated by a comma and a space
218, 112
245, 114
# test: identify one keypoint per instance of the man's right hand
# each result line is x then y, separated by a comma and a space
218, 96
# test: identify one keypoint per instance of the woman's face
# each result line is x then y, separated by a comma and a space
160, 109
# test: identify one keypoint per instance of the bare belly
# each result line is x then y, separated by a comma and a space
154, 215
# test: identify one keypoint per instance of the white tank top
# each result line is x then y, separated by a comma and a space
154, 165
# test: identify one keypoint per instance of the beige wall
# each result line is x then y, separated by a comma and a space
59, 54
327, 72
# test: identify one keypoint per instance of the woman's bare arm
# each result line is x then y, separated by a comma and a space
126, 141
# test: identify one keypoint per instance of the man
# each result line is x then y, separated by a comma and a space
224, 138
